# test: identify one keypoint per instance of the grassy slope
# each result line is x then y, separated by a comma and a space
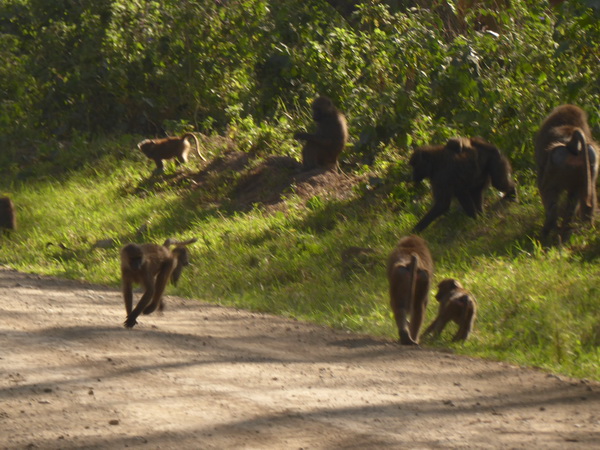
536, 307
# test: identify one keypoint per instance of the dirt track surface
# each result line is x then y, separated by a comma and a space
204, 376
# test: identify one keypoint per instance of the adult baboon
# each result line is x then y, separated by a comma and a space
152, 266
567, 162
167, 148
8, 216
457, 305
409, 270
463, 168
323, 147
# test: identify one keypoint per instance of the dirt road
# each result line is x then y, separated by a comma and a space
203, 376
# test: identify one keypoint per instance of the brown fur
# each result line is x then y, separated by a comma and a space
152, 266
8, 215
463, 168
168, 148
323, 147
457, 305
409, 271
564, 167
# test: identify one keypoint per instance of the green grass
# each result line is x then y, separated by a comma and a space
537, 307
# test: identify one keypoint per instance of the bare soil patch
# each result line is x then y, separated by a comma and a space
205, 376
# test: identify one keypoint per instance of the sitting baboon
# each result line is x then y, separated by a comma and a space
409, 271
167, 148
323, 147
8, 216
463, 168
567, 162
457, 305
152, 266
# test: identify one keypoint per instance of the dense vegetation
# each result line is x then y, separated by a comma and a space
83, 81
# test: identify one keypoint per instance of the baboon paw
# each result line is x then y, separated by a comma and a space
130, 323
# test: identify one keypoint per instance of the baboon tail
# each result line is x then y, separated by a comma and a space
197, 142
589, 196
412, 268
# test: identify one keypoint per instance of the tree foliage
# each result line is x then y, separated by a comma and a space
404, 72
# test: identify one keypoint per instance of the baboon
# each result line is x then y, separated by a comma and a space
152, 266
566, 160
462, 168
323, 147
8, 216
456, 304
167, 148
409, 270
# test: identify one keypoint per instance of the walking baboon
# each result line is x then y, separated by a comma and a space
323, 147
167, 148
8, 216
152, 266
457, 305
463, 168
567, 162
409, 270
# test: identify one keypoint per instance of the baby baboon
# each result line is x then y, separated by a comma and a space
567, 161
463, 168
324, 146
167, 148
152, 266
456, 304
409, 270
8, 216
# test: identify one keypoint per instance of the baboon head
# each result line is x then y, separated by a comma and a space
133, 256
421, 164
322, 107
147, 147
183, 259
445, 287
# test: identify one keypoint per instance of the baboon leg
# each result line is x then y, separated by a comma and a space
570, 208
142, 304
400, 298
127, 295
441, 204
161, 283
438, 325
401, 316
465, 327
160, 167
419, 307
550, 201
309, 157
432, 328
466, 201
477, 198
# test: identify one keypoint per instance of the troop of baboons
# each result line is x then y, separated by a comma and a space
566, 161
